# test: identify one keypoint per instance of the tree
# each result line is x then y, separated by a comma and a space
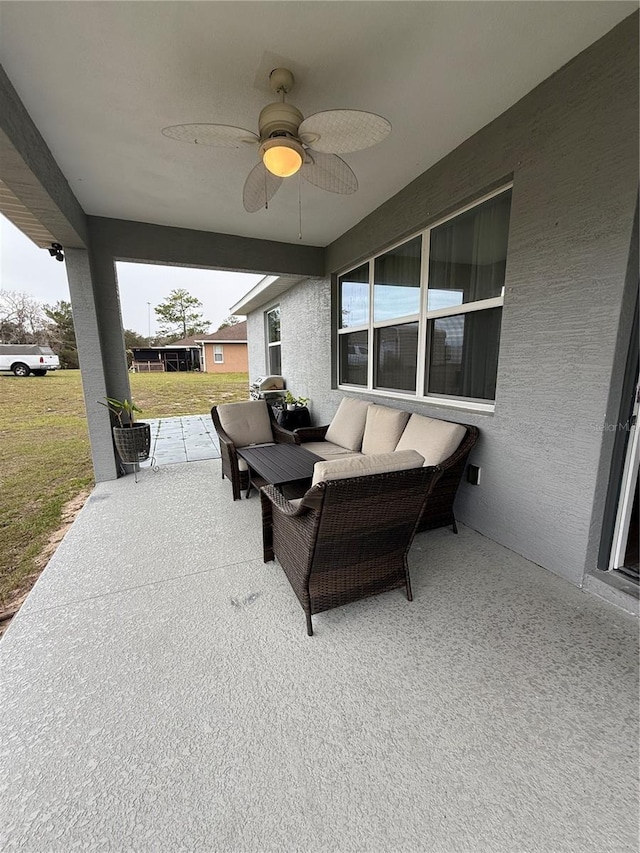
231, 320
62, 334
179, 316
133, 339
21, 319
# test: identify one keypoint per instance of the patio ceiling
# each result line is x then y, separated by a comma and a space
100, 80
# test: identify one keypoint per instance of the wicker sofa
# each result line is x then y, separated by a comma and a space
335, 544
362, 428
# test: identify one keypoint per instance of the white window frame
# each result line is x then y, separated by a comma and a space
422, 318
269, 343
218, 350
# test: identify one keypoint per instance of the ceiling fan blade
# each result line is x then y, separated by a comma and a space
259, 188
328, 172
218, 135
341, 131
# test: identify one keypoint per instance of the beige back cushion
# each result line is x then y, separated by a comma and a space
347, 426
436, 440
246, 423
361, 466
383, 429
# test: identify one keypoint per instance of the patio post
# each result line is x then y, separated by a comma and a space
99, 336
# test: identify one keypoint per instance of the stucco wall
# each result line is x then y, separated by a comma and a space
235, 358
306, 345
571, 146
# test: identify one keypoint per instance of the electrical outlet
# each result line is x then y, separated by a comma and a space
473, 475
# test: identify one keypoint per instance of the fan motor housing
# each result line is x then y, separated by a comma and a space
279, 117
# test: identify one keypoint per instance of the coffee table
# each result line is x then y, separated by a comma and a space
278, 464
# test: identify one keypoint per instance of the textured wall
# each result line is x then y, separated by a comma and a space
306, 345
160, 244
304, 355
256, 345
86, 325
571, 146
234, 355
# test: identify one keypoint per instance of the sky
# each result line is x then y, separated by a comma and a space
27, 269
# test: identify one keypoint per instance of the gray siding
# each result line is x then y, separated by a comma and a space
89, 336
306, 345
160, 244
571, 146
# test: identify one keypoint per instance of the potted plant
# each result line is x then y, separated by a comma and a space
292, 402
132, 440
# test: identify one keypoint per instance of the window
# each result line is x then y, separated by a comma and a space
273, 341
354, 315
218, 353
424, 317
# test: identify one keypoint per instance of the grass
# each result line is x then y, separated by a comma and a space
45, 456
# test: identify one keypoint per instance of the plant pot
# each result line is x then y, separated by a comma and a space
133, 442
290, 407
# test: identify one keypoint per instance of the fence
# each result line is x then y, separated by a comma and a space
148, 367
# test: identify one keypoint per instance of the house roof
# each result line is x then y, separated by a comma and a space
230, 335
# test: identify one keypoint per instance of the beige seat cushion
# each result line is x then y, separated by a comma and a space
328, 450
246, 423
347, 426
361, 466
383, 429
436, 440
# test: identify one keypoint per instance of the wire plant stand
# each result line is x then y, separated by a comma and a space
133, 444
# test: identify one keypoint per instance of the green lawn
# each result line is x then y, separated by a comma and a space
45, 458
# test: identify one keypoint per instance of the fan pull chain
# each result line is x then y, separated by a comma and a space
299, 206
266, 196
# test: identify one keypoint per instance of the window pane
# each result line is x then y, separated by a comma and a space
273, 325
396, 350
396, 290
354, 358
354, 298
275, 367
468, 255
463, 358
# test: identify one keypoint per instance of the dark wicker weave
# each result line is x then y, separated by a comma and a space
230, 470
439, 511
348, 539
312, 433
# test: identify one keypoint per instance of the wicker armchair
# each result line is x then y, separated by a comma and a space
439, 510
346, 539
253, 423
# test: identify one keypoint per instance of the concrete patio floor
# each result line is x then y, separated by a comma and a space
188, 438
159, 693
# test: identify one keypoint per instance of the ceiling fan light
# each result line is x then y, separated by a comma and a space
283, 157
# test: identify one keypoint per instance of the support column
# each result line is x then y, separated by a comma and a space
100, 340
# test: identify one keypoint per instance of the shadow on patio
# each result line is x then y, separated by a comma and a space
160, 694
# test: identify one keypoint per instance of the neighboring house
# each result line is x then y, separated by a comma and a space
173, 358
224, 351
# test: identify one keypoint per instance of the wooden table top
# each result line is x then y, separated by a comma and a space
280, 463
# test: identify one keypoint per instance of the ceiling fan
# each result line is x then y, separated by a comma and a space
289, 143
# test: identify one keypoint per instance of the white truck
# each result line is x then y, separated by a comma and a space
23, 359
